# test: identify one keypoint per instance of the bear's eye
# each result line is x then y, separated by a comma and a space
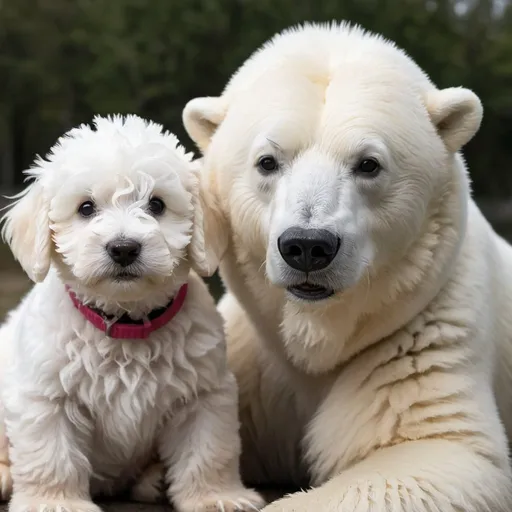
87, 209
368, 167
156, 206
267, 164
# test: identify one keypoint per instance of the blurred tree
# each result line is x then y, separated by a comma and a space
61, 62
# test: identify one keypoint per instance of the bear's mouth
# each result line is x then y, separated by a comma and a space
310, 292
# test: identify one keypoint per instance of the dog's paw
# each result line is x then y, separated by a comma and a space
244, 500
41, 504
5, 482
150, 487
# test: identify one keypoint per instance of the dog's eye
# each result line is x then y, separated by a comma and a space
267, 164
87, 209
368, 167
156, 206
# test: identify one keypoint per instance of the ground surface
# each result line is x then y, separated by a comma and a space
123, 506
13, 282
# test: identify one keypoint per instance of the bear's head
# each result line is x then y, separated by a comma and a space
334, 163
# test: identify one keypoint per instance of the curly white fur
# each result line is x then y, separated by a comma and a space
86, 414
393, 395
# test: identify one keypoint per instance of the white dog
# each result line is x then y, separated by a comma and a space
118, 352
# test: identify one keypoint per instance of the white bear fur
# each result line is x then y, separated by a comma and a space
85, 413
395, 395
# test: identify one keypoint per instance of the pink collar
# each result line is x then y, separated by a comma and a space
124, 327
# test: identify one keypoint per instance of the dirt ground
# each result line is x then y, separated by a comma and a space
119, 506
123, 506
13, 282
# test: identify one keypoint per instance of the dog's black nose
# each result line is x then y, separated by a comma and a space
124, 251
308, 249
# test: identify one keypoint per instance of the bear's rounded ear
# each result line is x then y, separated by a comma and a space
201, 117
456, 113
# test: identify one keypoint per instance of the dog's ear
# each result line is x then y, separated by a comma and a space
26, 228
201, 118
456, 113
209, 235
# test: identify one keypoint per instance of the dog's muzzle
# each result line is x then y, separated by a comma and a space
124, 251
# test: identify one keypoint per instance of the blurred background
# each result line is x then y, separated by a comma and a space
63, 61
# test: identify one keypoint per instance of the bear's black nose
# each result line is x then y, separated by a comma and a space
308, 249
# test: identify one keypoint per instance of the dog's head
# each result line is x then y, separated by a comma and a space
115, 206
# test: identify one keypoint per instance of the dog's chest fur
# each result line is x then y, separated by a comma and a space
126, 390
118, 395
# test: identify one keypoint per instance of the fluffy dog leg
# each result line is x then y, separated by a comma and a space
416, 476
50, 466
201, 449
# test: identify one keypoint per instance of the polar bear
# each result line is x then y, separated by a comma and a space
368, 305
